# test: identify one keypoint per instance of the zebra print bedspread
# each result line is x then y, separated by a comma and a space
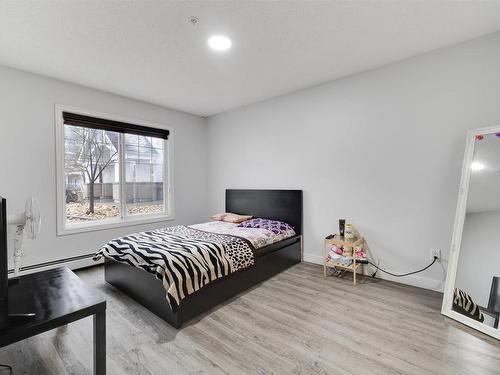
463, 303
185, 259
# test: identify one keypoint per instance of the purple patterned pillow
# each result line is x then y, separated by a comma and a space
275, 226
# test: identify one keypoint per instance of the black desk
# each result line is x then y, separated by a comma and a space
57, 297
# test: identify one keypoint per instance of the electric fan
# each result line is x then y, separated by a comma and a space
28, 221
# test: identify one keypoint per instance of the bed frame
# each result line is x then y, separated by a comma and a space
283, 205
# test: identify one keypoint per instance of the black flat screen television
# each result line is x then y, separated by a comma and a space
4, 283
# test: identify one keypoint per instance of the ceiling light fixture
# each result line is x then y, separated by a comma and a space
219, 43
476, 166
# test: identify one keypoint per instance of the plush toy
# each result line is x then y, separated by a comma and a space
336, 249
360, 254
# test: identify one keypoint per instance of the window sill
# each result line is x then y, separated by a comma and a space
111, 224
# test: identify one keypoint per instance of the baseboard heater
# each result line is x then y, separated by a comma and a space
64, 261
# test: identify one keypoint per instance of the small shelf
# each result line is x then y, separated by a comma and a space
341, 242
351, 266
352, 257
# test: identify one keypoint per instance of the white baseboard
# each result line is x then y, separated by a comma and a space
316, 259
413, 280
71, 264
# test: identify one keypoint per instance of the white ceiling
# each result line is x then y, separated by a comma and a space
149, 51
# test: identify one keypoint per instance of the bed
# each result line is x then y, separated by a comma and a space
149, 291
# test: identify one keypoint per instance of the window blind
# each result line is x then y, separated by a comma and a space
112, 125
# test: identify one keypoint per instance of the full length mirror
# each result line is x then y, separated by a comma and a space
473, 289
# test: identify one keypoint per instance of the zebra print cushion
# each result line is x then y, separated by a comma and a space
463, 303
185, 259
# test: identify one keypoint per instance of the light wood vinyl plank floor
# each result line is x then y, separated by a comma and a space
298, 322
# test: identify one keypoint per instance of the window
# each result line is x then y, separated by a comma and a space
111, 172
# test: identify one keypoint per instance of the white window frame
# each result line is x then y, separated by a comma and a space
123, 220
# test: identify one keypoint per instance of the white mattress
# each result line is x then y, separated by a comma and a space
258, 237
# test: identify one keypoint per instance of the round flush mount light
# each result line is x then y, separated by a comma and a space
476, 166
219, 43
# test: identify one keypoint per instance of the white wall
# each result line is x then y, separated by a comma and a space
383, 149
27, 157
479, 255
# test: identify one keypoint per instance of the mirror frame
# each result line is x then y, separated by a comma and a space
454, 254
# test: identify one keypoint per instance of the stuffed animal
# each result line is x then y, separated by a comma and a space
360, 254
336, 249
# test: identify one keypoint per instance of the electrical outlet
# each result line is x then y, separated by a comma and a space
435, 253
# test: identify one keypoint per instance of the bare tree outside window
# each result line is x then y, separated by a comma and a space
93, 189
91, 161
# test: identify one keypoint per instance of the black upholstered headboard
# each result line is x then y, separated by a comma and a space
283, 205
